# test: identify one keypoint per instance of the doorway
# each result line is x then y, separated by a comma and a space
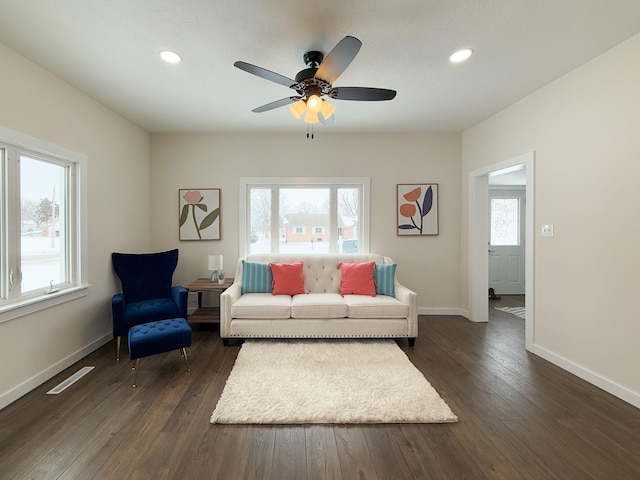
507, 219
479, 233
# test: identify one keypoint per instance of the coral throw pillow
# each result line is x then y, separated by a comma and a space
287, 278
357, 279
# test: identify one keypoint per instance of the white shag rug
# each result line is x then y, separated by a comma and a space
517, 311
335, 381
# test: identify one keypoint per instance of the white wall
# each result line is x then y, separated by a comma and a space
33, 102
584, 129
428, 265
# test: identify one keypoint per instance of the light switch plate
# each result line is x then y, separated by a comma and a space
547, 230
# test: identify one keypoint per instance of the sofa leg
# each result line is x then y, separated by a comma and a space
412, 341
225, 342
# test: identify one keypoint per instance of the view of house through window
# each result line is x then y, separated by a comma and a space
505, 222
305, 218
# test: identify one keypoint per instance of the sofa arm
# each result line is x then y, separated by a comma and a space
410, 298
227, 298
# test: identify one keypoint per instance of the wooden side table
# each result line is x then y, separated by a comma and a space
207, 314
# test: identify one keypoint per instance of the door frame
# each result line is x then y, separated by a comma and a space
478, 259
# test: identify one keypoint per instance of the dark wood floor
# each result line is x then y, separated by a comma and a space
520, 418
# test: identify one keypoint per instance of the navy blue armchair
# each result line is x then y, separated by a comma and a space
147, 291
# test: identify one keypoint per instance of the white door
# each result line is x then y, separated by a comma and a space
506, 242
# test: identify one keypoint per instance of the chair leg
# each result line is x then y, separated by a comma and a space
136, 367
186, 361
118, 339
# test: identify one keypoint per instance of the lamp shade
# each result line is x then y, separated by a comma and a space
311, 117
298, 108
327, 110
215, 262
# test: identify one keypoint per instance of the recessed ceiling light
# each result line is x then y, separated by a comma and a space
170, 56
460, 55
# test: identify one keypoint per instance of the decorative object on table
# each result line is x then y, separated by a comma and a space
200, 214
417, 209
215, 264
221, 276
336, 381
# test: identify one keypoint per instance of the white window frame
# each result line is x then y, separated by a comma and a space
334, 183
18, 143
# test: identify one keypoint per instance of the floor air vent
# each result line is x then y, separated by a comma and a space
70, 381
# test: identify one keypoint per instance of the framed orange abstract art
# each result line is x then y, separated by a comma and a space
417, 209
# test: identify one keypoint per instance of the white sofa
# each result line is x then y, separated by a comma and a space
322, 312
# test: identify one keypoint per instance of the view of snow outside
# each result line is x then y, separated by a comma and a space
298, 201
42, 259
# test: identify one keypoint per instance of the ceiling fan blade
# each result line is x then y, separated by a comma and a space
365, 94
277, 104
338, 59
264, 73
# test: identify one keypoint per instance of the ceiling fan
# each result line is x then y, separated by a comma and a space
316, 81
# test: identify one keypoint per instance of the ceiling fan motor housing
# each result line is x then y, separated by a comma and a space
313, 59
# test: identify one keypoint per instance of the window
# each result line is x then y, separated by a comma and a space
285, 215
505, 222
40, 224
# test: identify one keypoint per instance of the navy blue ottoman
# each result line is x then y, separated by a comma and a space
158, 337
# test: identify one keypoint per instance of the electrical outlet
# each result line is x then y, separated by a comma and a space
547, 230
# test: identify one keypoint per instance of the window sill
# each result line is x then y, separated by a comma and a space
41, 302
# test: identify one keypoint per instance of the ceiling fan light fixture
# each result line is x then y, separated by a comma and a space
460, 55
298, 108
314, 103
327, 109
311, 117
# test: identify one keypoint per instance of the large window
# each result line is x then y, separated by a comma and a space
312, 215
40, 224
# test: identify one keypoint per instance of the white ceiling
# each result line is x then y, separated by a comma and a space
108, 49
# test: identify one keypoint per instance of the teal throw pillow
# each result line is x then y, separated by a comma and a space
385, 277
256, 277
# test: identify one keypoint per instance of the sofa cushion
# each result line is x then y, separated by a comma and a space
287, 278
256, 277
262, 305
385, 277
357, 278
382, 306
318, 305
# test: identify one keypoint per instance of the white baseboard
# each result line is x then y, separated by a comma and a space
37, 380
608, 386
441, 311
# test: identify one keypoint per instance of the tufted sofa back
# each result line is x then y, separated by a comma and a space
321, 272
